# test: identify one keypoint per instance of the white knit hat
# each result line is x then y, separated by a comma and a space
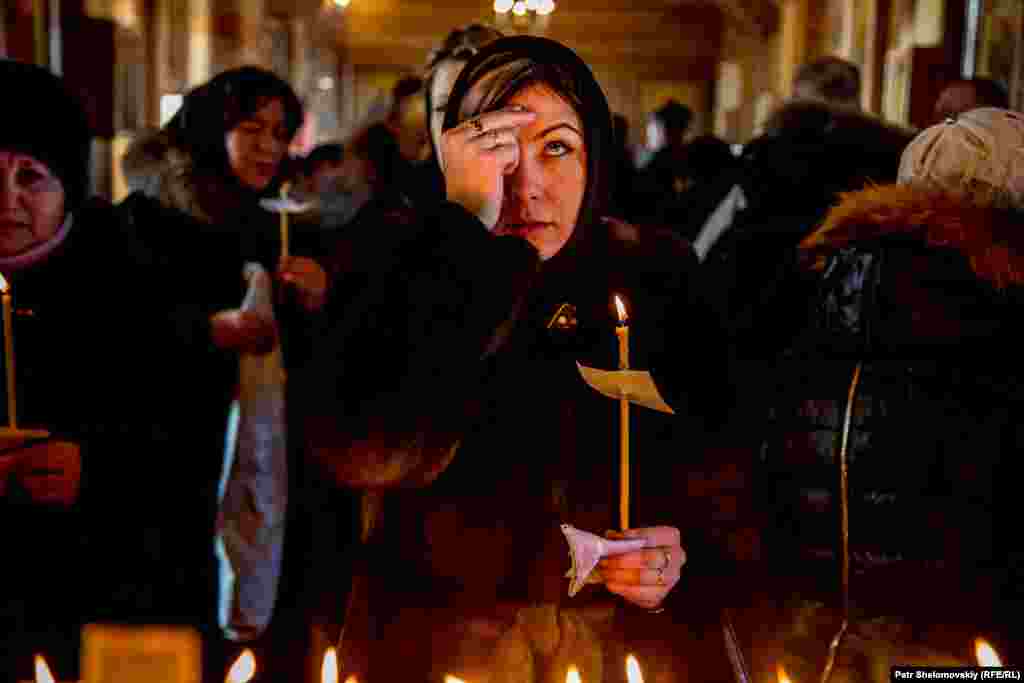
980, 151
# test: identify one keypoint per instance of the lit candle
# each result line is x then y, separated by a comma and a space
12, 402
43, 674
781, 675
243, 669
284, 221
633, 674
453, 679
622, 332
985, 653
573, 675
329, 668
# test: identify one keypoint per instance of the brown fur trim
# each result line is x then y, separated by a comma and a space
992, 239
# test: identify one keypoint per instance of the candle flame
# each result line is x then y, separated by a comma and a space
633, 674
453, 679
243, 669
329, 669
985, 653
573, 675
3, 284
781, 674
43, 674
351, 679
621, 308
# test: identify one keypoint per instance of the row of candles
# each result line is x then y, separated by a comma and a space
243, 670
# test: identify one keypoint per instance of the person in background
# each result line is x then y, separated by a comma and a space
920, 284
480, 309
625, 172
964, 94
664, 174
200, 181
115, 363
816, 146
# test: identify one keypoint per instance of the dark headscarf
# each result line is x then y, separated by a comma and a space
49, 125
519, 62
215, 108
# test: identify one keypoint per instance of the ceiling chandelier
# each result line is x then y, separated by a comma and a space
524, 8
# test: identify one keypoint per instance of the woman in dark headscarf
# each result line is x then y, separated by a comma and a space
494, 296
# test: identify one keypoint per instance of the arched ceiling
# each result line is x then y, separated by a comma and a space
677, 39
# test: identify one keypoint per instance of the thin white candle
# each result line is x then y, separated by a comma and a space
12, 400
622, 332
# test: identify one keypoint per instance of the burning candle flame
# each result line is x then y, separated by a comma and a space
453, 679
781, 674
243, 669
633, 674
621, 308
351, 679
43, 674
573, 675
986, 654
3, 285
329, 669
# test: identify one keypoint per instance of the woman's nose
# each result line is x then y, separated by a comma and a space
525, 181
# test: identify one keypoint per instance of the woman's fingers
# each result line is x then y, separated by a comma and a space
649, 558
477, 154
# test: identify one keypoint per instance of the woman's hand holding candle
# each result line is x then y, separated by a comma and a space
645, 577
308, 279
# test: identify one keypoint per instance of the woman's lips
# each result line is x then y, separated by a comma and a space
523, 228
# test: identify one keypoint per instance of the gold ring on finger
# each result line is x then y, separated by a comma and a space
668, 558
661, 576
477, 126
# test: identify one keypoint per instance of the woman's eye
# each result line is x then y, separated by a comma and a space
556, 148
30, 176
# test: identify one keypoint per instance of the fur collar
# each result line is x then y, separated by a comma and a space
991, 238
158, 168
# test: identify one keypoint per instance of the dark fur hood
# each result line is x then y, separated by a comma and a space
157, 167
990, 238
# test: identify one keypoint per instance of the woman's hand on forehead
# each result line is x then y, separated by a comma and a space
477, 154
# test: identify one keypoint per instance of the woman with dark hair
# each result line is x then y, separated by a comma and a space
479, 316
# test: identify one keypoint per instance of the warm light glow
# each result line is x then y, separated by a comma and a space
243, 669
43, 674
545, 7
621, 308
453, 679
351, 679
633, 674
780, 673
986, 654
573, 675
340, 4
329, 669
519, 8
3, 285
503, 6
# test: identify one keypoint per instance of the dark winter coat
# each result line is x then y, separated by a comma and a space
109, 357
790, 176
923, 290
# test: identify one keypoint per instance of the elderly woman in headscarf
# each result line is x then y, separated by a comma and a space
476, 322
111, 368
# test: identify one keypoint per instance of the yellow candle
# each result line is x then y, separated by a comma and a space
622, 332
12, 402
284, 222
